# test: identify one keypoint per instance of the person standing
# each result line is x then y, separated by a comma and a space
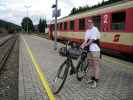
92, 43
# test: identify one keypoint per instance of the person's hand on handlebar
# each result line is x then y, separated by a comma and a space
83, 45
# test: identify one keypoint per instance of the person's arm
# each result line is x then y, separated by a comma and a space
93, 36
83, 44
85, 40
89, 42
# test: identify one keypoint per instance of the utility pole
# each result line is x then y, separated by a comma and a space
55, 31
56, 13
55, 34
27, 7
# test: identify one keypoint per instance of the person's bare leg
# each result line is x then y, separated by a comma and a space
96, 77
97, 69
90, 72
91, 68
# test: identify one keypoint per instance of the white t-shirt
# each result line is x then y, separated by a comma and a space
93, 34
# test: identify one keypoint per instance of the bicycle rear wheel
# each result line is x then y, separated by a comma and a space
81, 69
60, 77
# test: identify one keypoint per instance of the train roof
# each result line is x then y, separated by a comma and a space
100, 10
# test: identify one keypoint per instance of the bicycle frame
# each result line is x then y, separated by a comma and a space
69, 59
65, 69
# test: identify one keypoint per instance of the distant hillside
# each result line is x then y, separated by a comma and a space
8, 26
86, 8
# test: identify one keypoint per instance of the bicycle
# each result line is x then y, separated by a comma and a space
82, 65
63, 70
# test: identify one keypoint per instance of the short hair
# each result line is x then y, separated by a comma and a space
90, 21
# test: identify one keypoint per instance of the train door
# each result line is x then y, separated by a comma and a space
105, 24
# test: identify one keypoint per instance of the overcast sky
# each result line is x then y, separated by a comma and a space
14, 10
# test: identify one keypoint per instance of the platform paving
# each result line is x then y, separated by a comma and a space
116, 76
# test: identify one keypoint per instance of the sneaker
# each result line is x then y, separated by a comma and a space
89, 81
94, 84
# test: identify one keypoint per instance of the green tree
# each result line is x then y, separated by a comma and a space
27, 24
9, 27
42, 25
73, 11
85, 8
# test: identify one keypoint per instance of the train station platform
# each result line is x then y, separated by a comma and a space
38, 63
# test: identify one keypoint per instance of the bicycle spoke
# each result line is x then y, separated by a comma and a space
60, 78
81, 70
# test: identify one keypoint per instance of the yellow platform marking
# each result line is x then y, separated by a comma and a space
40, 73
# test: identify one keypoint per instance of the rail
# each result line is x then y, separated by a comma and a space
12, 41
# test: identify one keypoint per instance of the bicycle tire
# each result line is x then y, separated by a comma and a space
81, 69
62, 70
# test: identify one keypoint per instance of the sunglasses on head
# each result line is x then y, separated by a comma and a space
90, 21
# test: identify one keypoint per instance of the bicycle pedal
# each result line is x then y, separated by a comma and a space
72, 72
80, 79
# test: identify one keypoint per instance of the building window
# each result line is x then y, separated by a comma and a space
118, 21
81, 24
97, 21
71, 25
65, 25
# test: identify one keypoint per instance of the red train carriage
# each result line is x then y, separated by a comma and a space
115, 21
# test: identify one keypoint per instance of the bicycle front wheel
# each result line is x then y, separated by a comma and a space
60, 77
81, 69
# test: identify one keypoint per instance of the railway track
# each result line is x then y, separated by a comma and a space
6, 47
5, 39
9, 56
3, 34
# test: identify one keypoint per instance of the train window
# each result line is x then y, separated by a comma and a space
97, 21
81, 24
60, 26
65, 25
118, 21
71, 25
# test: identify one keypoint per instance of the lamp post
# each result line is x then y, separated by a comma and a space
27, 7
55, 32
